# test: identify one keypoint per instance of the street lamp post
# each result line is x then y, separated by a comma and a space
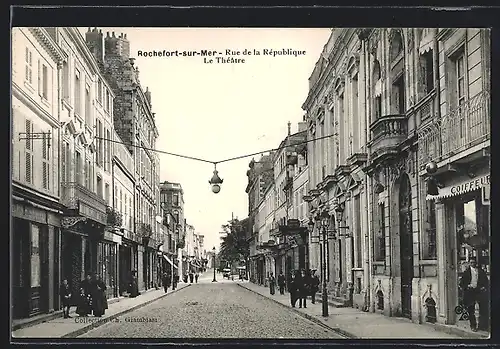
325, 217
214, 280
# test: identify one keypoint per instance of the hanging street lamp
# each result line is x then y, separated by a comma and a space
215, 181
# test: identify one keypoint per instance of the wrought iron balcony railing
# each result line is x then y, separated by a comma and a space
462, 128
76, 197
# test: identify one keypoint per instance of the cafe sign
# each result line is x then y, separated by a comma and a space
462, 188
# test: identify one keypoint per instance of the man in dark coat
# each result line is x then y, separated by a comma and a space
99, 301
134, 285
314, 285
84, 306
293, 287
65, 293
303, 284
164, 281
272, 283
281, 282
474, 283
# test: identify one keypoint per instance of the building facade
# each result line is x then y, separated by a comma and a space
404, 172
123, 195
36, 210
260, 177
172, 199
134, 122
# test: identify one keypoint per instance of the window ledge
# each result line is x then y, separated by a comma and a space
29, 86
45, 101
428, 262
65, 103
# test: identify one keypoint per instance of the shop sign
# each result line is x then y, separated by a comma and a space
35, 215
485, 194
472, 185
108, 235
117, 239
462, 188
18, 211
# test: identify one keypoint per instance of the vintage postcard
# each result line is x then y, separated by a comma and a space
265, 183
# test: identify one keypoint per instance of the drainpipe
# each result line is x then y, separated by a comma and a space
59, 133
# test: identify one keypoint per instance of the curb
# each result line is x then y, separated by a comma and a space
337, 330
96, 324
457, 331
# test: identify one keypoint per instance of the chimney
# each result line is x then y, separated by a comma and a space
289, 128
113, 34
147, 93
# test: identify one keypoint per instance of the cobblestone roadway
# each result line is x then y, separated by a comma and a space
206, 310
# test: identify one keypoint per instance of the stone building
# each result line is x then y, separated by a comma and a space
422, 119
172, 199
335, 113
260, 177
134, 122
36, 210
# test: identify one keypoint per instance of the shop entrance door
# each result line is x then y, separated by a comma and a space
406, 244
20, 268
71, 253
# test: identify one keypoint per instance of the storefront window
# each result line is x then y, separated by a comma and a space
472, 219
35, 256
429, 246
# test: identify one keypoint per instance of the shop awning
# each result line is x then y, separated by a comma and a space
462, 188
427, 41
168, 260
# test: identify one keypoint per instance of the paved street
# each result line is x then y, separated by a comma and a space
212, 310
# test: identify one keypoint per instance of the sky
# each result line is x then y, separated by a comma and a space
221, 110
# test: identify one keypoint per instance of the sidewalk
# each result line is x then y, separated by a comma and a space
70, 328
354, 323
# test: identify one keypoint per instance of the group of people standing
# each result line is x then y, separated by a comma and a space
90, 300
192, 277
301, 284
167, 280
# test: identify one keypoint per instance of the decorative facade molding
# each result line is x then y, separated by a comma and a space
48, 43
68, 222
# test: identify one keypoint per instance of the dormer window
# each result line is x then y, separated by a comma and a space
396, 48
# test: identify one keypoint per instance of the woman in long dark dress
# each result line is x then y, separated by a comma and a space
293, 287
134, 286
65, 293
84, 307
98, 296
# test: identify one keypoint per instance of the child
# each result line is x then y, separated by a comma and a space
65, 293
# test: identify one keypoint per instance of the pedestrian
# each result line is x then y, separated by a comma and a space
272, 283
196, 276
292, 287
164, 281
303, 284
474, 283
65, 293
175, 280
281, 282
191, 277
99, 300
134, 285
314, 286
84, 307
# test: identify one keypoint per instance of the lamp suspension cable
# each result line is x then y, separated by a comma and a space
209, 161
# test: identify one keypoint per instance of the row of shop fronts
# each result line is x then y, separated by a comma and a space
49, 246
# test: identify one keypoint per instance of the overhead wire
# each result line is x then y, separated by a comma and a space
209, 161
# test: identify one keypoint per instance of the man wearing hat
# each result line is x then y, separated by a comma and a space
314, 285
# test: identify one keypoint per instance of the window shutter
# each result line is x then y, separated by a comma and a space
28, 166
39, 79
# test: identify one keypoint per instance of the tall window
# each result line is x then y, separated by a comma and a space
88, 119
106, 106
99, 187
355, 117
99, 91
45, 162
121, 202
427, 71
29, 152
377, 87
99, 155
176, 199
358, 236
28, 74
107, 161
65, 80
35, 256
106, 193
78, 168
130, 211
342, 129
460, 77
115, 201
86, 173
64, 162
78, 93
430, 251
380, 236
398, 96
44, 92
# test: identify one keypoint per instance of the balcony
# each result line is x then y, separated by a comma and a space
461, 129
82, 200
387, 133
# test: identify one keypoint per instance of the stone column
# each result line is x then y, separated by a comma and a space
442, 267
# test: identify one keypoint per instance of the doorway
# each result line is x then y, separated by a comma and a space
406, 244
71, 252
20, 268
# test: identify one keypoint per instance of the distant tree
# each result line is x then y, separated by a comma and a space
234, 245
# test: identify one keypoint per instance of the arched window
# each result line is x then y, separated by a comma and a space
396, 45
